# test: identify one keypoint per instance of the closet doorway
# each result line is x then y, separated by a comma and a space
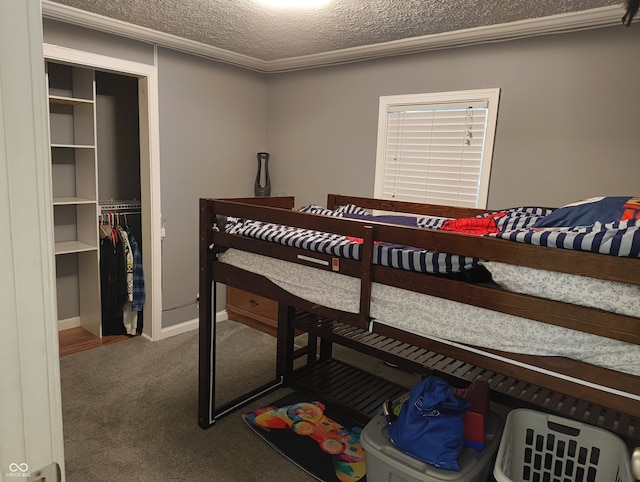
130, 170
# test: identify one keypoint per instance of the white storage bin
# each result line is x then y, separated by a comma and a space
536, 446
386, 463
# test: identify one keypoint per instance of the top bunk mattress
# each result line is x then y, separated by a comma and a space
384, 254
615, 230
573, 227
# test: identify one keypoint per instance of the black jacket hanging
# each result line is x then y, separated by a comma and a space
113, 286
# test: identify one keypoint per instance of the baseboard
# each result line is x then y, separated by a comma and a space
189, 325
67, 323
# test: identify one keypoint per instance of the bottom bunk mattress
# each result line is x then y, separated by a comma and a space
440, 319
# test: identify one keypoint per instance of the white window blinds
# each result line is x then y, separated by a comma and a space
434, 152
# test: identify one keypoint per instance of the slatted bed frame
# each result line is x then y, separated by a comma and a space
511, 377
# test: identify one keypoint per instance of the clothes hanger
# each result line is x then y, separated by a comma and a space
104, 222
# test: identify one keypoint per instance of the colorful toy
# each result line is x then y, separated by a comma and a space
308, 419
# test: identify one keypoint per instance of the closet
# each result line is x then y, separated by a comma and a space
95, 155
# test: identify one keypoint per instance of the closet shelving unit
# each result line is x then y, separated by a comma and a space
72, 137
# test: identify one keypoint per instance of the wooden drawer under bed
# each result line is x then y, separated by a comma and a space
252, 310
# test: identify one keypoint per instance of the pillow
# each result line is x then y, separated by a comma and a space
339, 212
588, 212
352, 209
389, 219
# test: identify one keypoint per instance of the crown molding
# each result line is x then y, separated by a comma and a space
568, 22
82, 18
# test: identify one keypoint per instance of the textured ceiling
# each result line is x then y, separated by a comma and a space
267, 33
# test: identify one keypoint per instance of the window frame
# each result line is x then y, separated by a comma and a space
491, 96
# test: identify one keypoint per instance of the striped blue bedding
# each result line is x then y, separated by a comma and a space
620, 238
400, 257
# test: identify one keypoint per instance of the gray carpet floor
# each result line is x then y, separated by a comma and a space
130, 411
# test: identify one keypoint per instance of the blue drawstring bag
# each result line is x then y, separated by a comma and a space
429, 426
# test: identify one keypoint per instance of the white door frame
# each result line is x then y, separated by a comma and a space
149, 169
31, 434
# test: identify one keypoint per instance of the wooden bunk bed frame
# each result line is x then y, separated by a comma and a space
510, 379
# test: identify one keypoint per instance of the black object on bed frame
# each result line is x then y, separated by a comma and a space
512, 381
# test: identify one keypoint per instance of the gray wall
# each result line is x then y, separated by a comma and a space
567, 123
117, 126
212, 124
567, 126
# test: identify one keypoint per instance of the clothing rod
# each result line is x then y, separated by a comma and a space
119, 205
123, 212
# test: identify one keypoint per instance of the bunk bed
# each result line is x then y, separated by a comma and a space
364, 285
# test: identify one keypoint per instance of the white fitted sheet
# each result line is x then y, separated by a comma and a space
611, 296
437, 318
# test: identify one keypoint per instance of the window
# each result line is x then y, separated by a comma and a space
436, 148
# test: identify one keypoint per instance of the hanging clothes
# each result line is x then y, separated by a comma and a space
139, 294
128, 261
121, 276
133, 319
130, 317
113, 284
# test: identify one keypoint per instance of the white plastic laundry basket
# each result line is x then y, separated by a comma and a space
537, 447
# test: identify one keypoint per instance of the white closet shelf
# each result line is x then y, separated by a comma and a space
72, 136
62, 201
59, 99
68, 247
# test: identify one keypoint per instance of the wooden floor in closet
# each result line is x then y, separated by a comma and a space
75, 340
